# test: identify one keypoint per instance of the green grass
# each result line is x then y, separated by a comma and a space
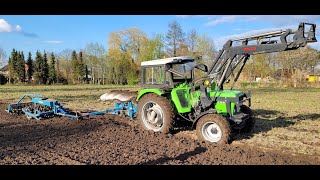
287, 119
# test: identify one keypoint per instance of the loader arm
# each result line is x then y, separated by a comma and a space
232, 55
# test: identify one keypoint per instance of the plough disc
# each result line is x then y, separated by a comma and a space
119, 96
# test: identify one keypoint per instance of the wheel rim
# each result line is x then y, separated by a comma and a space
211, 132
152, 116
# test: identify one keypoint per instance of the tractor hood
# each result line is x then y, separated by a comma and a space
226, 93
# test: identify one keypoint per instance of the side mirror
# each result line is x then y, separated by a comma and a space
202, 67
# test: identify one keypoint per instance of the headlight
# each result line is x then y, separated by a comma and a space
207, 83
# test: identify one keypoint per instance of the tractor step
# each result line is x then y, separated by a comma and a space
238, 118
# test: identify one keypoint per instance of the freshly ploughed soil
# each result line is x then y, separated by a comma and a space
110, 139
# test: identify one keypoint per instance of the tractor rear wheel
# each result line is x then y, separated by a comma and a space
155, 113
213, 128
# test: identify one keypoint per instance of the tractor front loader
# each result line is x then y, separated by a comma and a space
171, 91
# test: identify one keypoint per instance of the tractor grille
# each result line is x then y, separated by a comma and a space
183, 100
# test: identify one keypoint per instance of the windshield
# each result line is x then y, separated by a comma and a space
183, 70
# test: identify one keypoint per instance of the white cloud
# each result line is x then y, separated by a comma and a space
289, 19
54, 42
274, 19
277, 20
220, 41
6, 27
201, 16
183, 16
229, 19
18, 28
220, 20
315, 45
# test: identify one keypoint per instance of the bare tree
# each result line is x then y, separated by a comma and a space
205, 47
175, 37
3, 57
192, 40
295, 64
64, 66
95, 57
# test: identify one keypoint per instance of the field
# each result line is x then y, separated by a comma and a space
287, 131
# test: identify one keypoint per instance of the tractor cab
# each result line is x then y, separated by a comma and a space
170, 72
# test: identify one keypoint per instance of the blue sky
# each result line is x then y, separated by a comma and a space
58, 32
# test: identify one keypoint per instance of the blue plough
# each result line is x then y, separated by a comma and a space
40, 108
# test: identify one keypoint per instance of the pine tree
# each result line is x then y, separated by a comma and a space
20, 66
10, 69
52, 70
81, 67
30, 67
12, 66
38, 68
87, 73
45, 68
74, 62
58, 71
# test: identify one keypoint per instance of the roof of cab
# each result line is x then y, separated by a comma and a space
166, 60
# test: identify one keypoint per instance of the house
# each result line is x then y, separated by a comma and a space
27, 79
284, 73
313, 78
4, 70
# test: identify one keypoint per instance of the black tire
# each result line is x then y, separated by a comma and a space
249, 124
213, 119
163, 108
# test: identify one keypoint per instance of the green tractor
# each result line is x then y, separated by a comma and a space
172, 93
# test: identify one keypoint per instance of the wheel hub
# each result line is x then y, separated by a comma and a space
152, 116
211, 132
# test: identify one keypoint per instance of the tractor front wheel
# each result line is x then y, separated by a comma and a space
155, 113
213, 128
250, 122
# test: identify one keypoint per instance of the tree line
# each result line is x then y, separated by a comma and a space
44, 68
119, 64
127, 48
288, 67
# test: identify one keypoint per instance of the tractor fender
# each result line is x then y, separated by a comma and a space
146, 91
212, 111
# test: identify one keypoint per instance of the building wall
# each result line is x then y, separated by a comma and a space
313, 78
4, 72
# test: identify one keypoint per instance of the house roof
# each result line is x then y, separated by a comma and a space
5, 68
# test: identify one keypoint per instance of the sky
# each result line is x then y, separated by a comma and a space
54, 33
